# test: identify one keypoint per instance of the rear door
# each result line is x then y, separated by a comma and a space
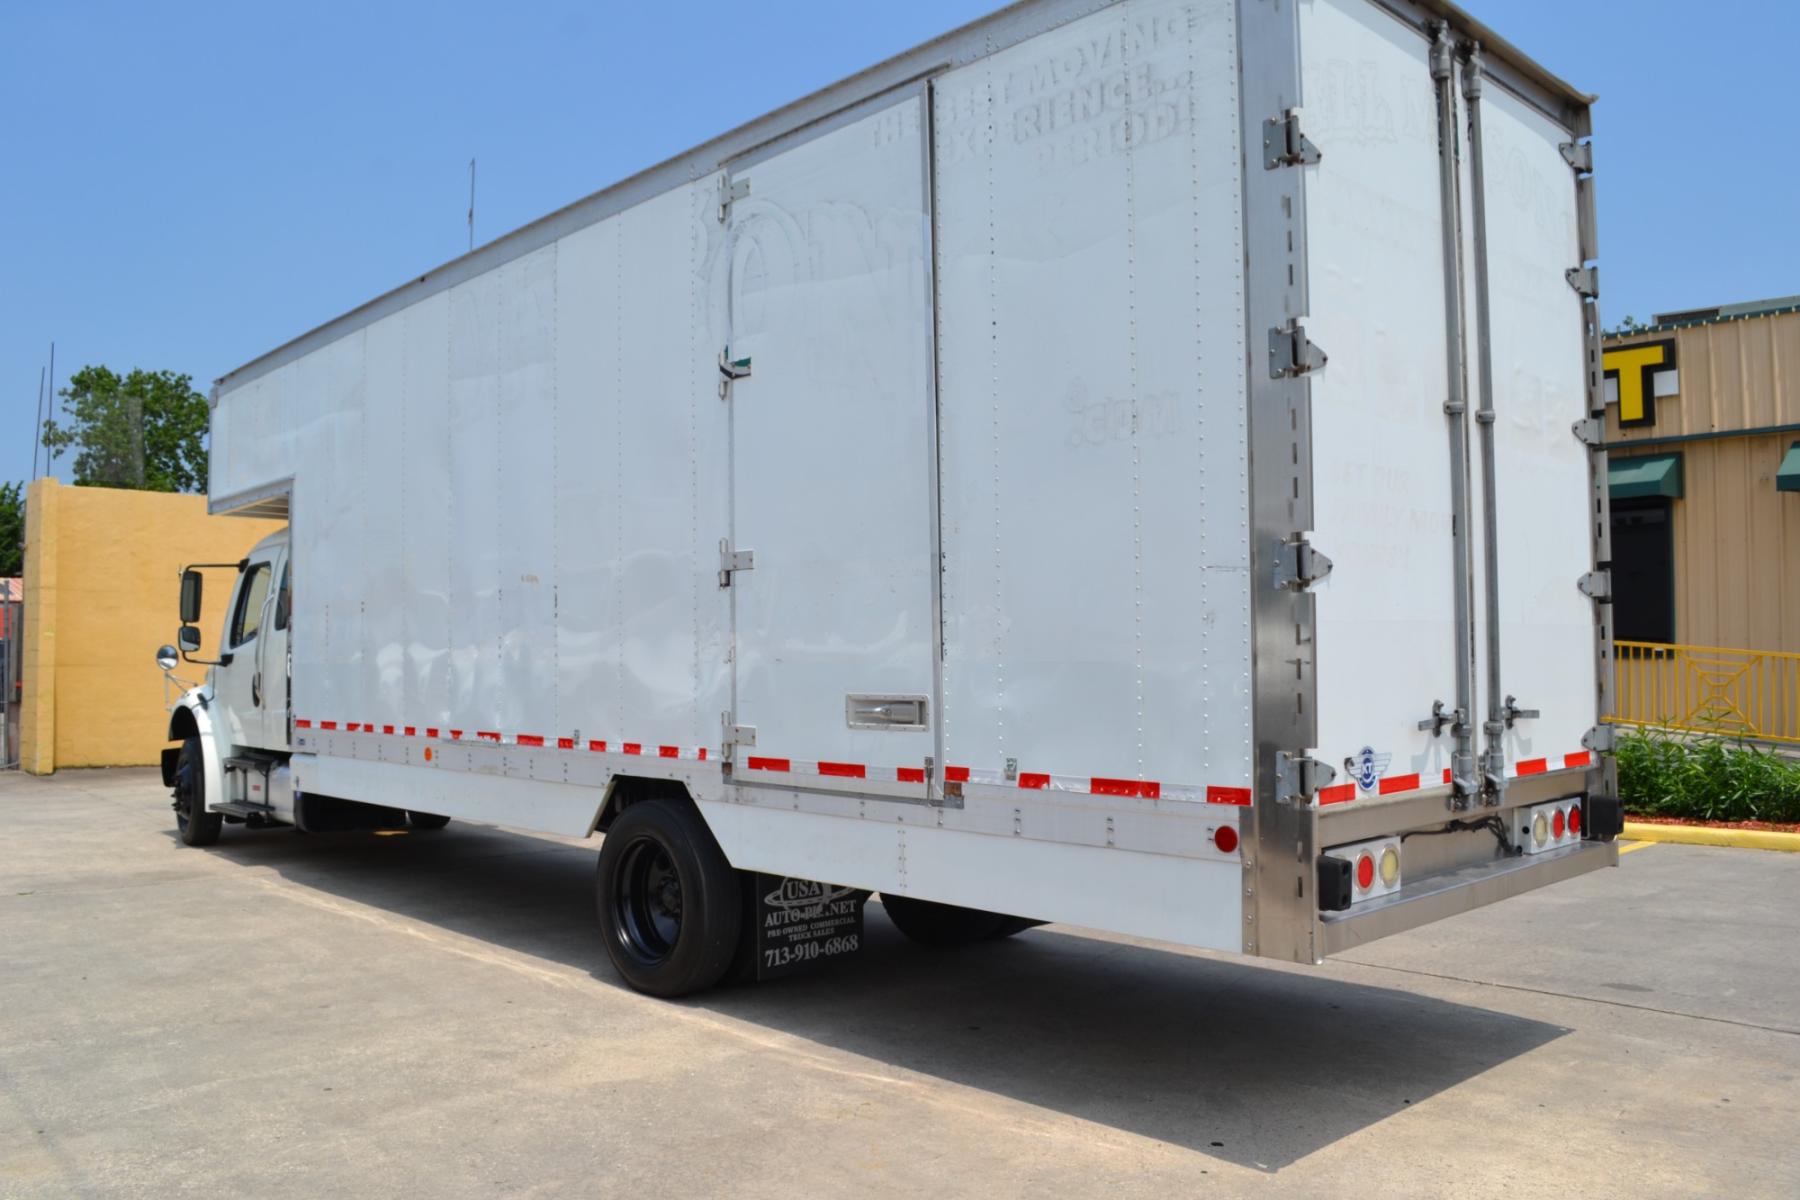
833, 584
1383, 503
1389, 648
1543, 491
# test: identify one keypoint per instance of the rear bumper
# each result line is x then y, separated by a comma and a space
1444, 895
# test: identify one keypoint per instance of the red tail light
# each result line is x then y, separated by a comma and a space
1575, 820
1556, 823
1225, 838
1365, 872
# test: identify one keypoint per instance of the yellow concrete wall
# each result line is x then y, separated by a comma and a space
102, 580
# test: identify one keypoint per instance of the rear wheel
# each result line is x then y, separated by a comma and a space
420, 820
671, 907
935, 924
196, 826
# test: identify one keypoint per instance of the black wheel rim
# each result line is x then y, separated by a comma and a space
647, 903
184, 792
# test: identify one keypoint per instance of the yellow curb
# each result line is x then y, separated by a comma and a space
1702, 835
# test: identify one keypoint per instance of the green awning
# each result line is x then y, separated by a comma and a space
1648, 477
1787, 478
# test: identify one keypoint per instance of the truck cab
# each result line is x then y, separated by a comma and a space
232, 731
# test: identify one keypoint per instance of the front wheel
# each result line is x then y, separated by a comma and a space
196, 826
671, 908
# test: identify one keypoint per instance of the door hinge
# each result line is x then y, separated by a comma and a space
733, 734
1579, 155
1596, 585
1585, 281
1285, 144
732, 561
1291, 353
1591, 431
730, 371
1298, 777
1298, 566
1601, 739
730, 192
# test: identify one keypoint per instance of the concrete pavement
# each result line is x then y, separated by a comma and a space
432, 1014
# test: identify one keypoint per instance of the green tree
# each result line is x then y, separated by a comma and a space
146, 430
12, 529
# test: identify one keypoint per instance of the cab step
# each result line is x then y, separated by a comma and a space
239, 808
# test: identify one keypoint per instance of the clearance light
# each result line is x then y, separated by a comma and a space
1226, 839
1369, 870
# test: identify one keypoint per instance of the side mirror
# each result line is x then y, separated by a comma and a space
165, 657
188, 638
190, 599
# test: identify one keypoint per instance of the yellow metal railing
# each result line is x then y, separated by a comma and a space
1708, 689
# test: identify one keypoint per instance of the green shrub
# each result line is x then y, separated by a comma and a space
1701, 777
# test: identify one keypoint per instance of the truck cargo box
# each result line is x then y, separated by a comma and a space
1119, 463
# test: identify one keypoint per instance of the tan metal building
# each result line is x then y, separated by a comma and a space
1703, 439
1701, 450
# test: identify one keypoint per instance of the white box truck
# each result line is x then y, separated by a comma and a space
1132, 464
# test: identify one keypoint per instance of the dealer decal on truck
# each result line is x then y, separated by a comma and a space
800, 922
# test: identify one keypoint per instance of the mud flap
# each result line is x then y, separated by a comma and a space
795, 924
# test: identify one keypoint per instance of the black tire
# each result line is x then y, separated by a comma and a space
196, 826
934, 924
425, 820
671, 907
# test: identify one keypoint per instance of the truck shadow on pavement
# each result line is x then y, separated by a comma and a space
1250, 1064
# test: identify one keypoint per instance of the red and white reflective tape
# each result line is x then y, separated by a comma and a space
1388, 785
534, 741
1088, 785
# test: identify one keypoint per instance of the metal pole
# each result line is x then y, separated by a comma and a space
1494, 751
471, 205
37, 430
1456, 409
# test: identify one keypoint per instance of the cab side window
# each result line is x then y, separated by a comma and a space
247, 618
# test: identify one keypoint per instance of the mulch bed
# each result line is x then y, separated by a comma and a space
1767, 826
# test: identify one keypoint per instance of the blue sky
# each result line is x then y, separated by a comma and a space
186, 186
